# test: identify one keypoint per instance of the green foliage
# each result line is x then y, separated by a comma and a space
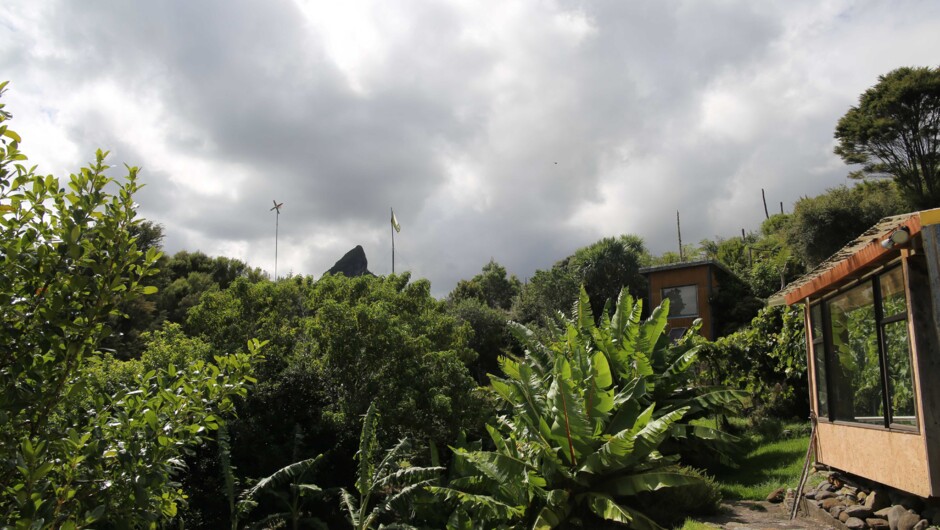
895, 132
169, 345
767, 359
586, 418
821, 225
490, 337
392, 479
292, 478
603, 268
670, 506
774, 458
77, 453
491, 287
336, 345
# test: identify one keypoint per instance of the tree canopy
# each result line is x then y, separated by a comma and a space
895, 132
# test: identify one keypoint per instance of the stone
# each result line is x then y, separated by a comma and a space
827, 504
877, 500
836, 511
860, 512
776, 496
861, 496
822, 495
894, 516
843, 517
811, 495
877, 523
922, 524
854, 523
352, 264
908, 521
883, 513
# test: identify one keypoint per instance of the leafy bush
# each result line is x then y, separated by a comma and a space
767, 359
76, 453
586, 417
670, 506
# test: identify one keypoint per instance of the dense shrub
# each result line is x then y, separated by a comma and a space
767, 359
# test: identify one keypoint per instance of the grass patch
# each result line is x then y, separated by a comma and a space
695, 525
774, 458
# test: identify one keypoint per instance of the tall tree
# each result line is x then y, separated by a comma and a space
895, 132
821, 225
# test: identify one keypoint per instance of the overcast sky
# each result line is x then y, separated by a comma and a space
515, 130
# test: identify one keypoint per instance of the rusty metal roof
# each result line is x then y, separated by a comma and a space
864, 250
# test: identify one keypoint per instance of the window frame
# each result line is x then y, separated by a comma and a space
829, 363
695, 287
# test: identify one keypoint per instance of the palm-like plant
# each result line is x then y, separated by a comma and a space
392, 477
292, 499
581, 435
642, 349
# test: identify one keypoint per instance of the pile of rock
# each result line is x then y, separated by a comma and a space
859, 507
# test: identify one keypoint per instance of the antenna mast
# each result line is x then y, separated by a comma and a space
277, 222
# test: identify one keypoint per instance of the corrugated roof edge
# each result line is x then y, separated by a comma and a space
873, 235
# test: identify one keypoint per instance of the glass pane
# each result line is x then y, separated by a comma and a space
900, 376
819, 360
856, 377
683, 300
892, 293
816, 321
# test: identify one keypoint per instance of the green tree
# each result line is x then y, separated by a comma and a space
336, 345
77, 452
895, 132
603, 268
491, 286
819, 226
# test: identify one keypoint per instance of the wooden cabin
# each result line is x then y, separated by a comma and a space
873, 343
690, 288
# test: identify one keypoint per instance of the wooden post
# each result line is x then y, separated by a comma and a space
679, 230
764, 196
923, 291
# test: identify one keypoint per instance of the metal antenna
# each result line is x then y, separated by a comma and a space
277, 222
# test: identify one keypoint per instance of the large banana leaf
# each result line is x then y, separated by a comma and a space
632, 484
571, 426
368, 444
485, 506
286, 475
555, 512
604, 507
652, 435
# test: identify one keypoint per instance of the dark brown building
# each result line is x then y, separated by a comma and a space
690, 288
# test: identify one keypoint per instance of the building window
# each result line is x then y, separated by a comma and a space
818, 338
862, 354
683, 301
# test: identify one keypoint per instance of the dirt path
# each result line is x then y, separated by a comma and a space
756, 515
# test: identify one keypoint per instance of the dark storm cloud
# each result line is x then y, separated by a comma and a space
516, 131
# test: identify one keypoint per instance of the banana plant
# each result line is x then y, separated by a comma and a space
292, 476
642, 349
393, 478
579, 438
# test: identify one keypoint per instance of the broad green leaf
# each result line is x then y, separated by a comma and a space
642, 482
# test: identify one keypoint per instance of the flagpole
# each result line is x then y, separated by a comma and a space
393, 241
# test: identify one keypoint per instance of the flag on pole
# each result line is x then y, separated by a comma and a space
395, 224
